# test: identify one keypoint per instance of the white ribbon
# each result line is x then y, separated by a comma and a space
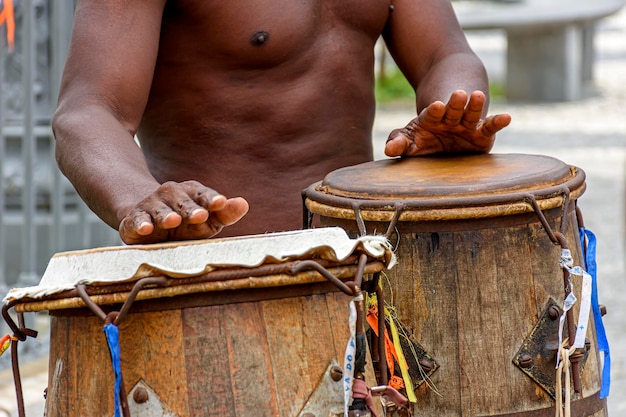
585, 297
350, 356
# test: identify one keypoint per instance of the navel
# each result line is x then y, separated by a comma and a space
260, 38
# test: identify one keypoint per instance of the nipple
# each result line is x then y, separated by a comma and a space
259, 38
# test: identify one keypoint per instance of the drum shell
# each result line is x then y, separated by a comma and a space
471, 290
209, 355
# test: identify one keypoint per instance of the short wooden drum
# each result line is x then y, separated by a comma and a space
204, 335
479, 282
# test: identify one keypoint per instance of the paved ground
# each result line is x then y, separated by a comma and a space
590, 134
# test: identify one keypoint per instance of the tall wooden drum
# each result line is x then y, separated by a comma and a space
247, 326
479, 283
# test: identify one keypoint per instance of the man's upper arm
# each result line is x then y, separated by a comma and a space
112, 56
420, 32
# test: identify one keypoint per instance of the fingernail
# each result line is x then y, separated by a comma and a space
142, 227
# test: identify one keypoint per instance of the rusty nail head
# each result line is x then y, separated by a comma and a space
426, 365
336, 373
554, 312
525, 361
140, 395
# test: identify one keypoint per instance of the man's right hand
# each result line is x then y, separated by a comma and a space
180, 211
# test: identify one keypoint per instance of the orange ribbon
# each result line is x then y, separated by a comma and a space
390, 349
7, 15
5, 343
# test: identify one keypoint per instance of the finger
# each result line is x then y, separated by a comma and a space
493, 124
138, 223
138, 228
161, 210
397, 146
474, 110
179, 198
433, 114
218, 202
455, 108
231, 212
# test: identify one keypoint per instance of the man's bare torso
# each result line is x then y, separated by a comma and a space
260, 99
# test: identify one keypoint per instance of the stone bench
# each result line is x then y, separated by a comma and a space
550, 50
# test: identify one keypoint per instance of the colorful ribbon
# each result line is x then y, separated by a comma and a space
5, 343
7, 15
603, 344
112, 334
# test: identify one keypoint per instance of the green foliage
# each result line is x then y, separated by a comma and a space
393, 87
496, 91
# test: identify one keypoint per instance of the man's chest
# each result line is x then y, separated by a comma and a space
270, 29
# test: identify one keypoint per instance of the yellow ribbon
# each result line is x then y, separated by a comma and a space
404, 367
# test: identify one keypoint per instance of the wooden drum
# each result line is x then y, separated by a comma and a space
225, 327
479, 282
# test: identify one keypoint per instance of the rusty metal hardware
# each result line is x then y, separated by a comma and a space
20, 333
558, 238
422, 365
588, 406
147, 403
537, 355
141, 395
116, 317
327, 396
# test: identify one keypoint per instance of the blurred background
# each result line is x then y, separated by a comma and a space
558, 67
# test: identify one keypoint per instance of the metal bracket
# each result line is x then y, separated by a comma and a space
328, 395
144, 402
421, 363
537, 355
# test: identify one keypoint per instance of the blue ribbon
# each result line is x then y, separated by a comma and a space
112, 334
603, 344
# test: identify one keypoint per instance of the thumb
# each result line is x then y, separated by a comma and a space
397, 143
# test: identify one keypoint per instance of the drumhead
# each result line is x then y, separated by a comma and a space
483, 185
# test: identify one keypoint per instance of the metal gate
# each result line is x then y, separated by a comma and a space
40, 213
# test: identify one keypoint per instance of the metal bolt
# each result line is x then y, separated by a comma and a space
525, 361
587, 344
426, 365
336, 373
554, 312
602, 309
308, 415
140, 395
577, 356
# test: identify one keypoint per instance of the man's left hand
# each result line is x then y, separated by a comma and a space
455, 127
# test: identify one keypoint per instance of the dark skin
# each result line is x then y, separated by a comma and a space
238, 106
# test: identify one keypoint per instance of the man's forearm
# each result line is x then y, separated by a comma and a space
460, 71
102, 161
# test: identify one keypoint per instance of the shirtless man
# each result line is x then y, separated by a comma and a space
256, 99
